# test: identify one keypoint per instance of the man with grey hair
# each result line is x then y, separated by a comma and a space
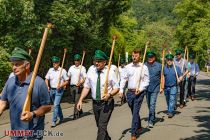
15, 93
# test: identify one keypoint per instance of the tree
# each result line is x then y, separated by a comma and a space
193, 29
5, 67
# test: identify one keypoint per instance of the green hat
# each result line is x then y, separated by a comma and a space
100, 55
151, 54
77, 57
178, 51
20, 54
169, 56
55, 59
191, 56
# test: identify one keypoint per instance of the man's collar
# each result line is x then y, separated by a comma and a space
27, 81
76, 66
153, 64
137, 64
103, 70
57, 69
169, 66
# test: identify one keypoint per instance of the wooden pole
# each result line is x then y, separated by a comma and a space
109, 65
185, 51
118, 65
162, 68
142, 66
64, 56
80, 69
27, 104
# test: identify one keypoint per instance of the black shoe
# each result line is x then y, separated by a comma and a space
80, 113
75, 117
170, 116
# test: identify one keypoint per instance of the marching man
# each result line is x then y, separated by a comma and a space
135, 96
182, 64
15, 92
172, 76
77, 78
154, 85
56, 90
103, 105
194, 72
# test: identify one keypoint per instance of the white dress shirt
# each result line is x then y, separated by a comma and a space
132, 74
91, 81
73, 73
120, 73
53, 76
114, 69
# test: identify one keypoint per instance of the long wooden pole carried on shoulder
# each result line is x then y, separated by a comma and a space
118, 66
109, 65
162, 68
80, 69
185, 52
64, 56
27, 104
142, 66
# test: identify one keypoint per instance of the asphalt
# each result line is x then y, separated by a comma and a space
190, 123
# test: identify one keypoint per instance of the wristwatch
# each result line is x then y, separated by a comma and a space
34, 114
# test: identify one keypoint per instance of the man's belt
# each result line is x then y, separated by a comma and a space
55, 88
101, 101
132, 90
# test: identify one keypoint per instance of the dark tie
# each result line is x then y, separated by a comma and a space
98, 90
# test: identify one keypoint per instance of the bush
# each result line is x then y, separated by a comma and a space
5, 67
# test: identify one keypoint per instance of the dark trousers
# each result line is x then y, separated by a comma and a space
182, 91
103, 111
191, 86
76, 93
134, 102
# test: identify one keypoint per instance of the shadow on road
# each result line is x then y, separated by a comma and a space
144, 130
204, 133
70, 118
203, 93
204, 120
165, 112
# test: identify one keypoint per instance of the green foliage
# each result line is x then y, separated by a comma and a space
5, 67
194, 27
89, 25
79, 25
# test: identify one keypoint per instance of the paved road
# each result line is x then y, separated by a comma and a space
190, 123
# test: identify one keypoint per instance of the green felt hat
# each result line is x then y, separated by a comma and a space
20, 54
77, 57
178, 51
55, 59
169, 56
191, 56
100, 55
151, 54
